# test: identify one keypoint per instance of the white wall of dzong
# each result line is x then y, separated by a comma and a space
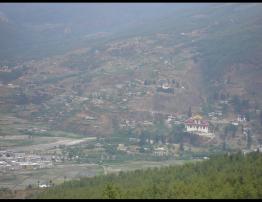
197, 128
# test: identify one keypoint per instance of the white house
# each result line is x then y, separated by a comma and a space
241, 118
160, 151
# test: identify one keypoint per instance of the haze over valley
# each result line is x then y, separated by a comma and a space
91, 89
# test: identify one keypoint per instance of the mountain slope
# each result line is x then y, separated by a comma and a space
39, 30
197, 49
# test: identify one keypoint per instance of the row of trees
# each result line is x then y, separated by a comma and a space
160, 133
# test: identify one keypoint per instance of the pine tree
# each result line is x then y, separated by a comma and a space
260, 116
189, 114
111, 192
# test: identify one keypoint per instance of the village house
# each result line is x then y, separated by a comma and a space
241, 118
166, 89
147, 123
160, 151
170, 119
234, 123
133, 149
131, 124
150, 141
121, 147
132, 139
246, 131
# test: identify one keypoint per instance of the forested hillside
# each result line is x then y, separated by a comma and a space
223, 176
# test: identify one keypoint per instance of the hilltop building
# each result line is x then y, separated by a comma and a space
197, 125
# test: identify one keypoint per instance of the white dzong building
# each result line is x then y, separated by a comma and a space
196, 124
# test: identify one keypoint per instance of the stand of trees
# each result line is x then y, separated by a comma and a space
223, 176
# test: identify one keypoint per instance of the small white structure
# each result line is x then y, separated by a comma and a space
241, 118
234, 123
43, 185
165, 86
121, 147
160, 151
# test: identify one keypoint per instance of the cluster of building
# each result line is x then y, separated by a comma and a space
133, 149
17, 161
133, 123
5, 69
215, 115
173, 119
170, 119
35, 129
241, 119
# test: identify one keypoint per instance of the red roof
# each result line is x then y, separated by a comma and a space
196, 122
193, 124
